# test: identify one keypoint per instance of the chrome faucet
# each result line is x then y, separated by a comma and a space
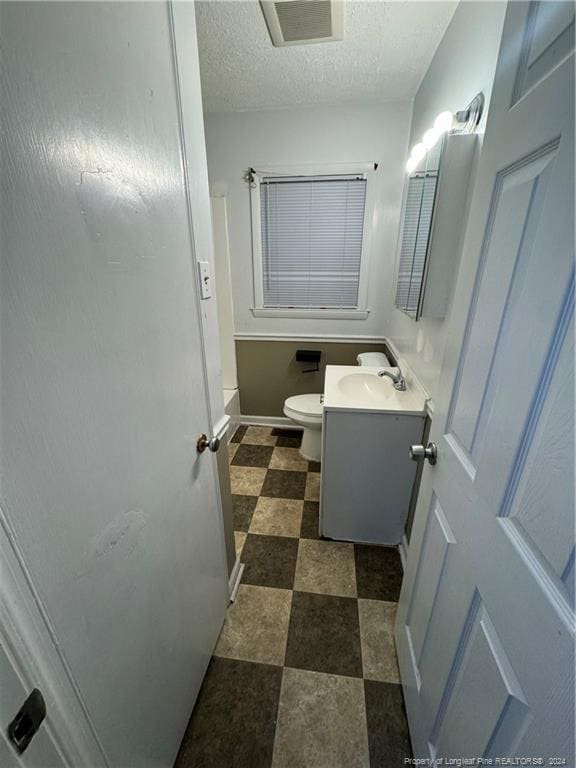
398, 379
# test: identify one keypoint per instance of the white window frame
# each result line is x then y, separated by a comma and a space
261, 171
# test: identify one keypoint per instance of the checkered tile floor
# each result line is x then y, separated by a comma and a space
305, 672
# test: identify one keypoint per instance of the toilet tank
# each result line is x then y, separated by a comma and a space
378, 359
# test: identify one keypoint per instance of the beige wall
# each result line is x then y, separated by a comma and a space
268, 372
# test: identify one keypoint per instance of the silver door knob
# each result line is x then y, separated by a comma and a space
213, 444
429, 452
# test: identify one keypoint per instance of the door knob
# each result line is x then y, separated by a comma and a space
429, 452
213, 444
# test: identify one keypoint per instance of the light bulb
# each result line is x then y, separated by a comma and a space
444, 122
431, 137
411, 165
418, 152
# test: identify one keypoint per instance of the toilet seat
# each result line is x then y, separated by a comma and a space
304, 408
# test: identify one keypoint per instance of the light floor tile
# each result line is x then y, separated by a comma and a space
321, 722
239, 539
256, 625
247, 481
277, 517
379, 659
288, 458
259, 436
232, 448
312, 486
325, 567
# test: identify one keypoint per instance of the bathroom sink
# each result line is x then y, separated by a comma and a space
365, 386
354, 388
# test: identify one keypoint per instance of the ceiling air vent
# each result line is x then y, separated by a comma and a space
299, 22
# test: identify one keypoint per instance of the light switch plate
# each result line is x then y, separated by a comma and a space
205, 279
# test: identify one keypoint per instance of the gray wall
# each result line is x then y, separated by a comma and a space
268, 372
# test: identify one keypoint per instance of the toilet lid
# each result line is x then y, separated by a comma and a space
309, 405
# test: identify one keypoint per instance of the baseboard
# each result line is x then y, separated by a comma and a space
266, 421
235, 577
403, 549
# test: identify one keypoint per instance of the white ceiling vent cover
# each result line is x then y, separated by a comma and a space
301, 22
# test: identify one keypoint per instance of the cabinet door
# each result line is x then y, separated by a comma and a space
367, 475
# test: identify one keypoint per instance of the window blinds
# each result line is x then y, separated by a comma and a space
418, 212
312, 240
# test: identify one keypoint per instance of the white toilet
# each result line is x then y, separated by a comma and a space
306, 410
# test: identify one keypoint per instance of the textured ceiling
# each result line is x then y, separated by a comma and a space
386, 50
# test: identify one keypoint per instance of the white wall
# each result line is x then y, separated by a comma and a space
238, 140
463, 65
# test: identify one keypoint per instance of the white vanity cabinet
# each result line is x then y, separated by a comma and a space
367, 475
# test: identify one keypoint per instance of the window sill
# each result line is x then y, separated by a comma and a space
312, 314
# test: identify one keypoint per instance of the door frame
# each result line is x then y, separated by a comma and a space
184, 48
27, 635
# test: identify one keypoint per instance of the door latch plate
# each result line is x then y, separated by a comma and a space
28, 720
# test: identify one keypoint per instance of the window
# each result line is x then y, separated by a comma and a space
308, 244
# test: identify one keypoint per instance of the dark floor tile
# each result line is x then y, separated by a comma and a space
388, 737
288, 438
310, 520
234, 720
378, 572
253, 455
290, 442
239, 434
314, 466
292, 433
324, 634
270, 561
243, 507
284, 484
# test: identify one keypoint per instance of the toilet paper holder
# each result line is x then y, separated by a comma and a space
309, 356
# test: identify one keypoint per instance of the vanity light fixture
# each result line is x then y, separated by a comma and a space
431, 137
464, 121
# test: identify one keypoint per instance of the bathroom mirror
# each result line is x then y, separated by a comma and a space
416, 228
433, 215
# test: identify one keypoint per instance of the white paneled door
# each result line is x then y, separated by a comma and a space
485, 629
